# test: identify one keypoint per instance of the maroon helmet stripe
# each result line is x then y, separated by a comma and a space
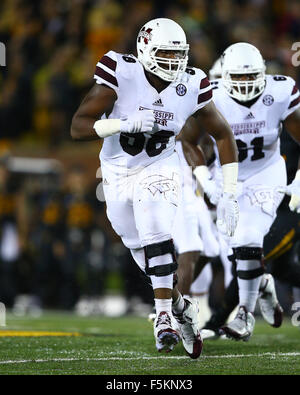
204, 83
294, 102
108, 62
106, 76
205, 96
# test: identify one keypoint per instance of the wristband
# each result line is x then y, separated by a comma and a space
202, 175
107, 127
230, 175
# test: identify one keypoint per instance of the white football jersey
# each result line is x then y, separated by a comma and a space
172, 107
257, 128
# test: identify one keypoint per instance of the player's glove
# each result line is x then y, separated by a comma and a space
211, 187
227, 214
293, 190
141, 121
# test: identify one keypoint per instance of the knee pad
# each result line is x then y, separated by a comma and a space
249, 254
156, 250
231, 258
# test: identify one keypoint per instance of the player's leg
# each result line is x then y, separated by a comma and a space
206, 231
119, 194
212, 327
156, 197
200, 293
155, 204
188, 245
186, 268
161, 278
258, 204
185, 234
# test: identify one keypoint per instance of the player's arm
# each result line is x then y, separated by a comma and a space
215, 124
86, 124
193, 152
100, 100
291, 119
292, 124
197, 159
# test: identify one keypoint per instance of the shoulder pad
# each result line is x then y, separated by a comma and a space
114, 65
127, 64
197, 78
281, 86
129, 58
215, 84
105, 72
200, 86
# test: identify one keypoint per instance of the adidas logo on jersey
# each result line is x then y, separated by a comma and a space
158, 103
250, 116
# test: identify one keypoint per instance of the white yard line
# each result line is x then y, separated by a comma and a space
267, 354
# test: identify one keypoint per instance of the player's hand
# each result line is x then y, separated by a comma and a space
293, 190
213, 190
211, 187
227, 214
141, 121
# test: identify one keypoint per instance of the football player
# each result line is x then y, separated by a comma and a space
281, 252
138, 105
254, 104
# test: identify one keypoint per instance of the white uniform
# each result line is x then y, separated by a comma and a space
141, 172
193, 227
261, 168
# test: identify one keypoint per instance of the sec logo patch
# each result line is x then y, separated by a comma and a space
181, 90
268, 100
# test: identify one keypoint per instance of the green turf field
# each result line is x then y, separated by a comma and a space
125, 346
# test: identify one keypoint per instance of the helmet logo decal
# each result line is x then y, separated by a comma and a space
181, 90
145, 34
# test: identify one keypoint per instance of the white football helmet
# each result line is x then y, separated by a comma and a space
216, 70
163, 35
242, 59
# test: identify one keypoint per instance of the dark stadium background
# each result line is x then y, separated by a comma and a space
66, 251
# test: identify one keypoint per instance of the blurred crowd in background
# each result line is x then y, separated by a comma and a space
55, 241
53, 46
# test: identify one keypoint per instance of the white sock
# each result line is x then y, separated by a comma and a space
248, 292
163, 305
